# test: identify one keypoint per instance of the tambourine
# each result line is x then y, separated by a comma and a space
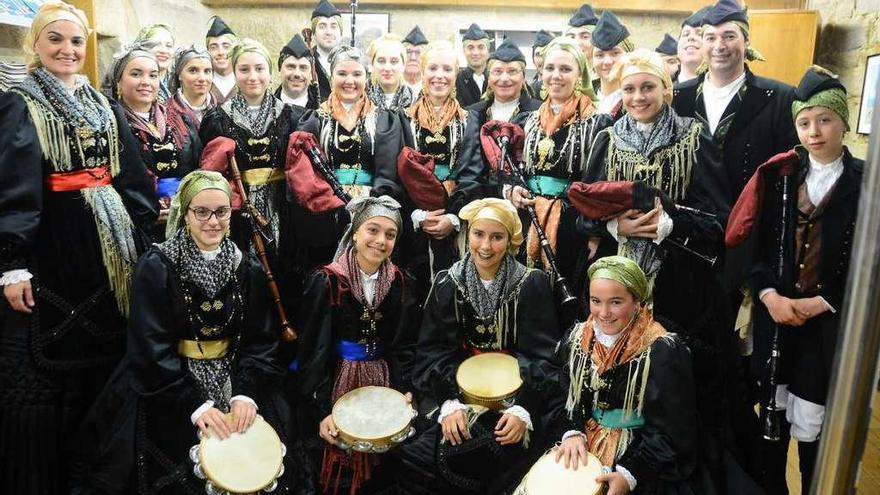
548, 477
490, 379
372, 419
248, 462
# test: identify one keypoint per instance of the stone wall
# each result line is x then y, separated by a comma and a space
849, 33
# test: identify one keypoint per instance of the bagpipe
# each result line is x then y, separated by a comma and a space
310, 176
503, 134
603, 200
217, 153
742, 220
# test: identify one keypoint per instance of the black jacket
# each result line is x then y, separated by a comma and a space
466, 88
838, 224
760, 127
323, 78
472, 155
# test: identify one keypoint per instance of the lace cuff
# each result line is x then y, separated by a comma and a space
418, 216
244, 398
630, 479
572, 433
201, 410
456, 223
611, 226
449, 407
521, 413
664, 227
16, 276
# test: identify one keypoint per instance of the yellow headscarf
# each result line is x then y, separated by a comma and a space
50, 12
248, 45
569, 45
498, 210
643, 61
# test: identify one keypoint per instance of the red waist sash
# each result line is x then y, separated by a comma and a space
79, 179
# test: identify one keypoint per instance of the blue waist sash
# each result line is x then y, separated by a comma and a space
546, 185
442, 171
167, 186
613, 418
353, 177
355, 351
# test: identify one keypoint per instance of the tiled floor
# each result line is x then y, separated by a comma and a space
869, 478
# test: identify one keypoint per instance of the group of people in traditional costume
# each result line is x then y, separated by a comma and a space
188, 250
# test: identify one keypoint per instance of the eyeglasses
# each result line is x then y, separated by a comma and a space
203, 214
501, 72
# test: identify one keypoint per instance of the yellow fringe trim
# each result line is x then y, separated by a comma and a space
119, 270
625, 165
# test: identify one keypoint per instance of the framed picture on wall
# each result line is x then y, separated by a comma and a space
369, 26
870, 90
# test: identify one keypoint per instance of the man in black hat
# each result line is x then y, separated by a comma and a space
295, 65
824, 202
542, 39
749, 118
580, 28
690, 45
668, 50
611, 39
326, 35
414, 43
747, 115
219, 41
471, 82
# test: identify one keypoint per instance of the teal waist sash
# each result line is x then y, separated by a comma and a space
442, 171
613, 418
546, 185
353, 177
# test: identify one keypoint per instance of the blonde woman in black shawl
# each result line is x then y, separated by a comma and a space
73, 196
486, 302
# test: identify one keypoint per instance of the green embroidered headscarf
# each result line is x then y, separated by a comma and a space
569, 45
622, 270
192, 184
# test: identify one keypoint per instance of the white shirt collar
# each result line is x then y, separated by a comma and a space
606, 340
609, 101
224, 83
369, 284
301, 100
479, 78
504, 111
210, 255
716, 99
822, 177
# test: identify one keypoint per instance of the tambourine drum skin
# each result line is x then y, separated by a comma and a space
490, 379
548, 477
245, 462
372, 419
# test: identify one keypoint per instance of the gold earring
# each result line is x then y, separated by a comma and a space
118, 94
543, 93
226, 232
578, 90
454, 93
